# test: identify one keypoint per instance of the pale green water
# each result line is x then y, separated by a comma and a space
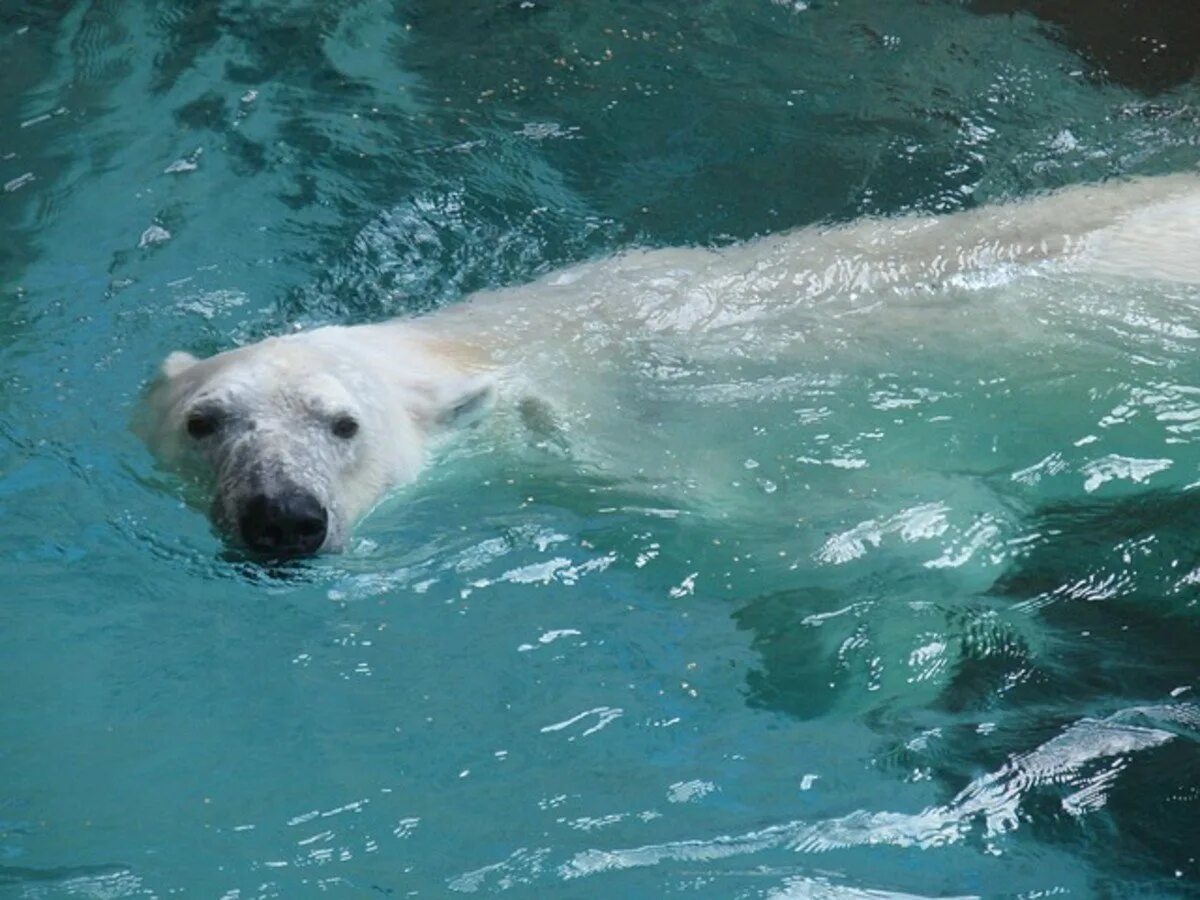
975, 680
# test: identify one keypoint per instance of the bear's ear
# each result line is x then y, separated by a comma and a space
177, 363
462, 401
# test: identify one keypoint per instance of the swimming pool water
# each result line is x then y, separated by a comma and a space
976, 679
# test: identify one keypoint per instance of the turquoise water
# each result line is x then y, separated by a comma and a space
969, 672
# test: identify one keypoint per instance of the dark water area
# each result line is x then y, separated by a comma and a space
1151, 47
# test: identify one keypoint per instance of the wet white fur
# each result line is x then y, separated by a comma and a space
795, 297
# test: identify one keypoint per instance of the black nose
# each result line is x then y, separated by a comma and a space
286, 524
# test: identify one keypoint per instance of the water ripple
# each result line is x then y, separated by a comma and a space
994, 799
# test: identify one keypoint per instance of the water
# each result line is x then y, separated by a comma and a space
868, 672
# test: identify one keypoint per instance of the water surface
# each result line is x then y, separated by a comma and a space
971, 675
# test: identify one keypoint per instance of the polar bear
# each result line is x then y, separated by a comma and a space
302, 434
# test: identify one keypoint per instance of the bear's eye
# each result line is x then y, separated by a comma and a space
345, 427
202, 424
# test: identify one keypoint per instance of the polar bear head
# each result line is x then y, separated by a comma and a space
299, 436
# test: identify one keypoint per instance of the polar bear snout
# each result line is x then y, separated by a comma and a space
292, 522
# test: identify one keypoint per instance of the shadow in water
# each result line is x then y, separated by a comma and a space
794, 673
1089, 640
1112, 588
